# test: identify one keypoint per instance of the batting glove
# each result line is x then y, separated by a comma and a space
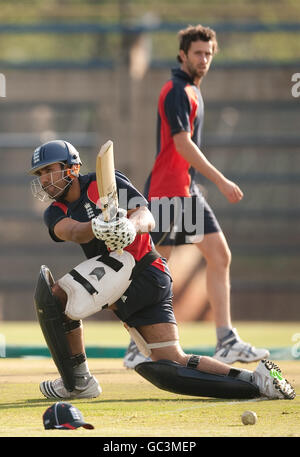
117, 233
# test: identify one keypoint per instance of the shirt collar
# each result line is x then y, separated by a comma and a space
182, 75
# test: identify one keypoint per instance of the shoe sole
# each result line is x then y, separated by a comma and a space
285, 388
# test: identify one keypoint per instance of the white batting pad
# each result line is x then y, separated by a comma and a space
107, 285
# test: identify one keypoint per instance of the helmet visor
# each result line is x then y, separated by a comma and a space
50, 186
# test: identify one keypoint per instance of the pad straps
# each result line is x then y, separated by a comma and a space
84, 282
193, 361
111, 262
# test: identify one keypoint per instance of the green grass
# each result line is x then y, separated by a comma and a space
129, 406
267, 334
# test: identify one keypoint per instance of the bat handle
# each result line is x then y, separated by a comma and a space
120, 251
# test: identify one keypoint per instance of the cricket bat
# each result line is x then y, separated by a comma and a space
106, 182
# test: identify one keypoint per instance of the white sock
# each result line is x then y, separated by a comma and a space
222, 332
241, 373
82, 370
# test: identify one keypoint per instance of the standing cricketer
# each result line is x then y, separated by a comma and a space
179, 127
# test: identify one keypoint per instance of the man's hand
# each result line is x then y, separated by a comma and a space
142, 219
230, 190
194, 156
117, 233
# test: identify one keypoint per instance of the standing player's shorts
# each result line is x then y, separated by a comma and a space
182, 220
148, 299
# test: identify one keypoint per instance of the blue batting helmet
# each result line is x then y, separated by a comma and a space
52, 152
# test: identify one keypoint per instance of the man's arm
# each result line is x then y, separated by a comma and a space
192, 154
68, 229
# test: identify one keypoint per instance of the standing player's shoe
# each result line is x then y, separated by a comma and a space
89, 388
271, 383
232, 349
133, 356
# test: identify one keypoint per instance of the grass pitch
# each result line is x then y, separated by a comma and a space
129, 406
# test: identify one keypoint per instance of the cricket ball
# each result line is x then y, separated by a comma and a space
249, 418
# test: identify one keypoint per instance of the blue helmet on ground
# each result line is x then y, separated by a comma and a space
52, 152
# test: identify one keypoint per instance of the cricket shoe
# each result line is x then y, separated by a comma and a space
232, 349
133, 356
271, 383
90, 388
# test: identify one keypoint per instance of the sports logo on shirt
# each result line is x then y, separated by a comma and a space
89, 211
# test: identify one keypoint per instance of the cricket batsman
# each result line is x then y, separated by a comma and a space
135, 285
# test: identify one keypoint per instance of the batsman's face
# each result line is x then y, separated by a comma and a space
198, 59
50, 180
